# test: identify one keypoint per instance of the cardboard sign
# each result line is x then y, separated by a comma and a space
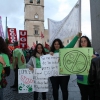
75, 60
25, 81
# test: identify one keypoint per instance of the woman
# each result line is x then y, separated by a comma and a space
61, 81
35, 62
4, 61
86, 90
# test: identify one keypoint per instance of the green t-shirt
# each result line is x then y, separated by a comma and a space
84, 81
6, 59
18, 53
38, 65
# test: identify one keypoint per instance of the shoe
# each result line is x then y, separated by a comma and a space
13, 86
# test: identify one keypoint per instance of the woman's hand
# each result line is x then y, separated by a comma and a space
51, 53
79, 34
94, 56
31, 68
2, 61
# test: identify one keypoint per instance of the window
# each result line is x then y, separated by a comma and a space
36, 32
31, 1
36, 42
38, 1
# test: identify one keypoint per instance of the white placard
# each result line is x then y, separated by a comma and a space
40, 80
50, 64
25, 81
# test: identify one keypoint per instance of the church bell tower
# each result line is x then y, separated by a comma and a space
34, 20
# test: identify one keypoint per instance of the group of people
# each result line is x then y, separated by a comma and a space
85, 83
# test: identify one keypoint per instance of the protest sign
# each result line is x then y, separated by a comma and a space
50, 64
40, 81
75, 60
25, 81
29, 81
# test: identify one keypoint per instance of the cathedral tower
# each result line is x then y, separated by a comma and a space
34, 20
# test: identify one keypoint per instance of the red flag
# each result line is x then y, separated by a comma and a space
12, 35
23, 38
42, 36
47, 46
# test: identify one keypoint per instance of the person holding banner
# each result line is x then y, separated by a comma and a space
4, 63
34, 62
19, 62
86, 89
61, 81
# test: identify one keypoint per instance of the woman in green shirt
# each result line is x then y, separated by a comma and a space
61, 81
34, 62
86, 90
4, 61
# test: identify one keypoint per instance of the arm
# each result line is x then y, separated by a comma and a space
73, 42
6, 64
30, 63
15, 62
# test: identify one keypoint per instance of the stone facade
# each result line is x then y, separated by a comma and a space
95, 24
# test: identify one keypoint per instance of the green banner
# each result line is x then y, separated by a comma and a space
75, 60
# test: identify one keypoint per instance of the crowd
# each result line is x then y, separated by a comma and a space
89, 85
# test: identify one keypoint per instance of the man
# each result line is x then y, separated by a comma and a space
94, 76
18, 63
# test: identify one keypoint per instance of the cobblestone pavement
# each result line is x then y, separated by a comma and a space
73, 89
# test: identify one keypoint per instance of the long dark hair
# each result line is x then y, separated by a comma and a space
60, 43
88, 41
4, 47
35, 50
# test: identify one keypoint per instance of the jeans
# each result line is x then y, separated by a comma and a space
1, 93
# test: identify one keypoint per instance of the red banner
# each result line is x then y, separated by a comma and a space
12, 35
23, 38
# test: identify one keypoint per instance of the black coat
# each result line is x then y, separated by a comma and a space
94, 72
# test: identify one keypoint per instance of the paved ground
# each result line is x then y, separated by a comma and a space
73, 89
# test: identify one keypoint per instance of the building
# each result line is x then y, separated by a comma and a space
95, 24
34, 22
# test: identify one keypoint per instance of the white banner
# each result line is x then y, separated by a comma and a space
25, 81
67, 27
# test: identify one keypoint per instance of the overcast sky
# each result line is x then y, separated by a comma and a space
54, 9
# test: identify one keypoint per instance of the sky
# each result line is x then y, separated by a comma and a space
54, 9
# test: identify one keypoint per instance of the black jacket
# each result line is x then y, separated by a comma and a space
94, 72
